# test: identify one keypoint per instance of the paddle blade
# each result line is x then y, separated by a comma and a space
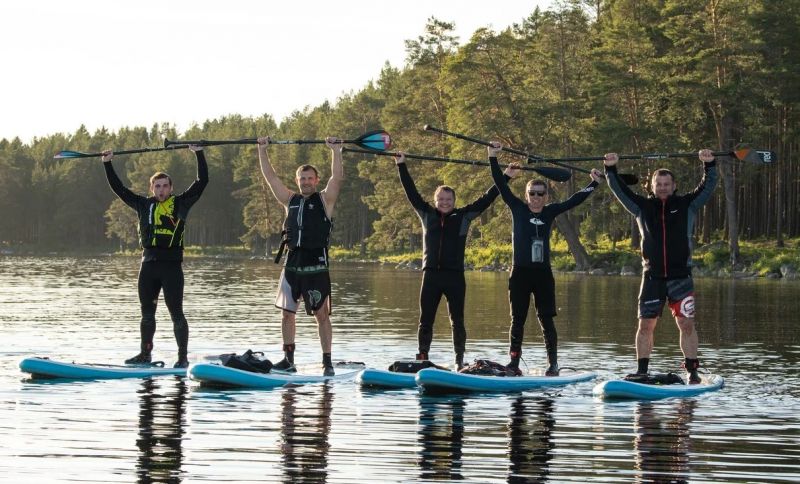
555, 174
755, 156
64, 154
375, 140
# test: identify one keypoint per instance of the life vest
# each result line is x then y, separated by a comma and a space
307, 225
162, 227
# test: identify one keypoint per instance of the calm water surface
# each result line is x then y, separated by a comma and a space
171, 430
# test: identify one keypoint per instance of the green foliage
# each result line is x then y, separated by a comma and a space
630, 76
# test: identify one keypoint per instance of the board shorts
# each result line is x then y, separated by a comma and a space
312, 283
654, 292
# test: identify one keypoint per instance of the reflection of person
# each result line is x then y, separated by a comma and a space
662, 442
444, 239
441, 437
530, 439
159, 443
666, 222
304, 433
307, 228
531, 272
162, 222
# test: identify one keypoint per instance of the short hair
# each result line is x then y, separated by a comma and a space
537, 183
303, 168
159, 175
662, 172
445, 188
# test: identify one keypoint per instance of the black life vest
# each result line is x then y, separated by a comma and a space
307, 225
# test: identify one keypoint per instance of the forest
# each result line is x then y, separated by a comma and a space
578, 79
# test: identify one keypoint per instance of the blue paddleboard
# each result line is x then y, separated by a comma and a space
373, 377
46, 368
434, 380
211, 374
643, 391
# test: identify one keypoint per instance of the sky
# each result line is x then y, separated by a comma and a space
115, 63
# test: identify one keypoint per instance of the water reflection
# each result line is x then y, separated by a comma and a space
304, 433
530, 439
662, 442
162, 406
441, 437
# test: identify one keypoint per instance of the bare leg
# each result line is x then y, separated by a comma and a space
688, 337
324, 327
644, 337
288, 327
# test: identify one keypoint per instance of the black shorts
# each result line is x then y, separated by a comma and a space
654, 292
311, 281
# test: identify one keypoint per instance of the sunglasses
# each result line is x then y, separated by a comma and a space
536, 193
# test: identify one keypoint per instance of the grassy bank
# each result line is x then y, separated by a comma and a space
758, 258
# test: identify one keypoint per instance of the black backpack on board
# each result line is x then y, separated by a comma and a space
247, 361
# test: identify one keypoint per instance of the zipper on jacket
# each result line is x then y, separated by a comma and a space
664, 234
300, 220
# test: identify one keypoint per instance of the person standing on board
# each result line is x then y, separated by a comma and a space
531, 272
162, 222
666, 223
444, 239
307, 229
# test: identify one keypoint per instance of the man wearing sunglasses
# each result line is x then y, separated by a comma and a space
531, 272
666, 223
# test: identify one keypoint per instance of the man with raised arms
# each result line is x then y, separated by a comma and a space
307, 228
444, 239
162, 221
666, 223
531, 272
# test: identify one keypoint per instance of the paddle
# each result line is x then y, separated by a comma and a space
555, 174
64, 154
629, 179
742, 153
373, 140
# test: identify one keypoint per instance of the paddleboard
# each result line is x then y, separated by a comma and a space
46, 368
218, 375
642, 391
433, 380
386, 379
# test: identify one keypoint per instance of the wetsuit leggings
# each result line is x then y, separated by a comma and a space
153, 277
436, 283
523, 282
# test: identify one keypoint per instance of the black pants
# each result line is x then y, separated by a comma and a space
153, 277
451, 284
523, 282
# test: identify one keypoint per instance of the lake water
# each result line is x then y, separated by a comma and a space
169, 429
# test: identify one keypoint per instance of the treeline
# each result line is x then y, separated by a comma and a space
631, 76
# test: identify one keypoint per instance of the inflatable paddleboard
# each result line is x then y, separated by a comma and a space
433, 380
218, 375
643, 391
46, 368
373, 377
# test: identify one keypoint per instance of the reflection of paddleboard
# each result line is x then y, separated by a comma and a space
642, 391
443, 381
219, 375
46, 368
386, 379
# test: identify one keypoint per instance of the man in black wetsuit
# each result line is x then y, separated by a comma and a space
531, 271
444, 238
666, 223
162, 221
307, 228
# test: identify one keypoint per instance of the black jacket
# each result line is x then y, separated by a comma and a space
444, 237
666, 227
